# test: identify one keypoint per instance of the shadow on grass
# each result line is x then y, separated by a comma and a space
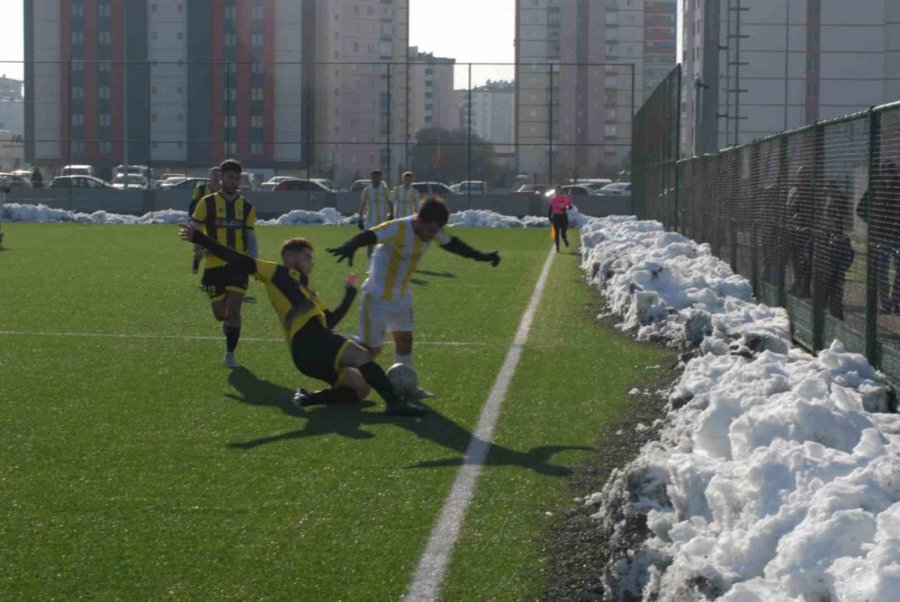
436, 274
349, 420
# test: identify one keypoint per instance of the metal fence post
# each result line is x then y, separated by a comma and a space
818, 306
782, 189
677, 149
871, 334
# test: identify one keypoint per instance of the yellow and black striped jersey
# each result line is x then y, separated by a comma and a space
226, 222
295, 303
406, 201
378, 204
200, 191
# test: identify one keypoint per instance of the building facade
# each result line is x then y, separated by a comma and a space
431, 102
752, 68
12, 106
583, 67
165, 82
490, 114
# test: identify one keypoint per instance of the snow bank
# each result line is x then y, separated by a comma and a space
298, 217
15, 212
777, 475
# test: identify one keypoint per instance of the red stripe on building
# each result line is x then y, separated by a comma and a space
118, 80
244, 87
269, 91
91, 32
65, 38
217, 91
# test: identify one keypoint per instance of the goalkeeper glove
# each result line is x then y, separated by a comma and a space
345, 251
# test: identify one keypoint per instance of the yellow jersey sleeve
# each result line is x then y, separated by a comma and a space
265, 270
200, 212
250, 220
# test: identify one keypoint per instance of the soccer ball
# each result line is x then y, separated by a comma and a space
404, 379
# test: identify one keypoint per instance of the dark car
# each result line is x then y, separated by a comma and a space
426, 188
79, 182
299, 186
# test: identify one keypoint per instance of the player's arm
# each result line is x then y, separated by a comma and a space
334, 316
234, 258
458, 247
363, 208
250, 233
347, 250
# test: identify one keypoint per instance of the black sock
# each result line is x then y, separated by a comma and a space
378, 380
232, 336
333, 396
196, 263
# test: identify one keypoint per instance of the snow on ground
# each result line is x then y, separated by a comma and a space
298, 217
776, 476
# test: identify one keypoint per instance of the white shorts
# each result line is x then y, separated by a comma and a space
377, 318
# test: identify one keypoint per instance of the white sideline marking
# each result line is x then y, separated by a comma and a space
179, 337
428, 579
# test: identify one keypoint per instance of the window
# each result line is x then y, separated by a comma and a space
105, 37
256, 121
104, 120
231, 12
105, 148
104, 92
257, 40
78, 37
105, 9
230, 39
77, 9
257, 12
77, 119
256, 148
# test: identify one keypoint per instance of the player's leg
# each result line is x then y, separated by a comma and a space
352, 355
231, 326
214, 282
372, 323
555, 223
198, 256
564, 228
399, 316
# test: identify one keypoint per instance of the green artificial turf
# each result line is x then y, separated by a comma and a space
134, 467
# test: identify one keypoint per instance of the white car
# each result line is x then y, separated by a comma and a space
132, 181
616, 189
470, 186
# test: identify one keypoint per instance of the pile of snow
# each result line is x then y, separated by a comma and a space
329, 216
777, 474
16, 212
484, 218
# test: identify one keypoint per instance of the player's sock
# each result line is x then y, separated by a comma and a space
406, 360
232, 336
337, 395
196, 265
378, 380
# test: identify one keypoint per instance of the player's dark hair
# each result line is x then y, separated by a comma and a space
376, 172
296, 244
232, 165
433, 210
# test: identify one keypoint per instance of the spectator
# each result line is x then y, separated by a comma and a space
37, 179
835, 249
880, 209
799, 225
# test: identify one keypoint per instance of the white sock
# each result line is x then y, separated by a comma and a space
406, 360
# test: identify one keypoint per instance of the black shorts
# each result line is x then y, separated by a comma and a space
316, 352
223, 279
560, 220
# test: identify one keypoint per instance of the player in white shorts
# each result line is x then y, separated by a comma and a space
376, 204
406, 198
386, 304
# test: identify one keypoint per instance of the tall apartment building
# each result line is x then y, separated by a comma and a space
204, 79
12, 106
431, 102
582, 68
755, 67
490, 114
361, 103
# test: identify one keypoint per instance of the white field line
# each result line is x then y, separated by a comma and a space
428, 579
179, 337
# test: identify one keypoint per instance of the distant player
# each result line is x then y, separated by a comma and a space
316, 351
376, 204
211, 186
227, 217
387, 300
560, 204
406, 199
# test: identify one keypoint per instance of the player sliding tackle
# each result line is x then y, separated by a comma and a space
316, 350
386, 303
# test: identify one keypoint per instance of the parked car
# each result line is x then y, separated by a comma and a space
131, 181
359, 185
77, 170
298, 185
183, 184
616, 188
572, 190
470, 187
79, 182
329, 184
14, 180
534, 188
438, 188
249, 181
271, 183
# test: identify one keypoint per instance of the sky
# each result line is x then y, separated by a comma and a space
471, 31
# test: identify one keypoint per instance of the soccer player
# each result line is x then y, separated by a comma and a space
406, 199
376, 205
317, 351
386, 303
227, 217
210, 187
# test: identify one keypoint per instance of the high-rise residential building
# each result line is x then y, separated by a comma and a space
755, 67
361, 103
166, 82
431, 102
12, 106
582, 68
490, 114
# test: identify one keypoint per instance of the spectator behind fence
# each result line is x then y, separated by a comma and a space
799, 224
880, 209
834, 249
